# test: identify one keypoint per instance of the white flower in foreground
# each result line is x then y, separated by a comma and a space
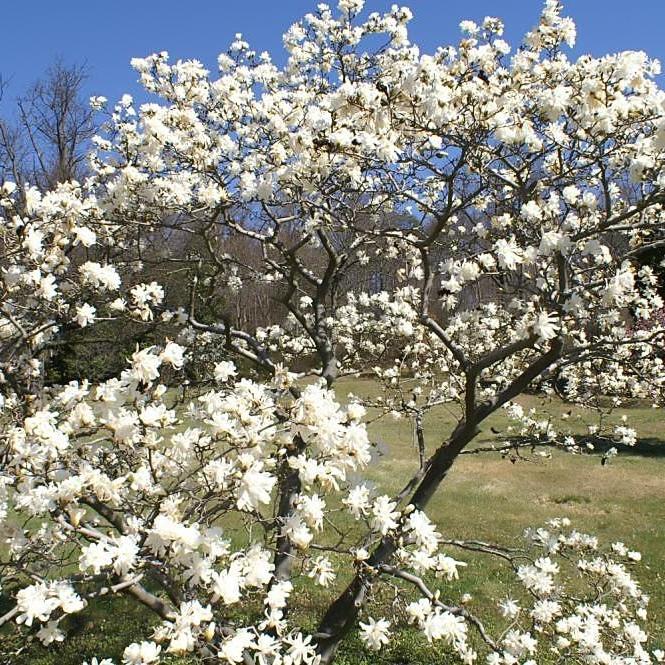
118, 305
384, 515
33, 602
224, 371
33, 242
354, 6
375, 634
233, 649
67, 597
278, 595
96, 556
50, 633
48, 288
125, 555
546, 326
97, 103
145, 365
322, 571
419, 610
173, 354
355, 411
85, 314
227, 585
544, 611
445, 625
301, 649
519, 644
509, 608
255, 488
357, 501
141, 654
508, 253
100, 277
536, 580
625, 435
447, 567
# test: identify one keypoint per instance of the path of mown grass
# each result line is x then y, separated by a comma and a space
485, 497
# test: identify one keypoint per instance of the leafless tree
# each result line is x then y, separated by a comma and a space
45, 142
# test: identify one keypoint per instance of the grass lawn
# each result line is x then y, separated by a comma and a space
484, 497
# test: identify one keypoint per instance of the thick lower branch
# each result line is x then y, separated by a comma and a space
289, 488
342, 614
151, 601
427, 593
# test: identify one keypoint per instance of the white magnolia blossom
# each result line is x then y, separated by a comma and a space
462, 226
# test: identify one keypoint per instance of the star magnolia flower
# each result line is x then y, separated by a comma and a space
444, 625
144, 653
546, 326
100, 277
255, 488
301, 649
509, 608
173, 354
375, 634
50, 633
145, 365
33, 602
508, 254
227, 585
384, 515
233, 649
85, 236
322, 571
48, 288
85, 315
224, 371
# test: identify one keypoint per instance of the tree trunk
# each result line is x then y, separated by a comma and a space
342, 615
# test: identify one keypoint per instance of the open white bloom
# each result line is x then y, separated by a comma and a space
444, 625
85, 315
101, 277
509, 608
546, 326
384, 515
322, 571
145, 365
375, 634
358, 500
227, 585
449, 228
49, 633
173, 354
143, 653
255, 488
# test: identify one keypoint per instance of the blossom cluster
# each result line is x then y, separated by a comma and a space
462, 226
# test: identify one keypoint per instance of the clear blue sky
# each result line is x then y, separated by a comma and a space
107, 34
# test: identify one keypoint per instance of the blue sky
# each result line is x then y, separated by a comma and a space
106, 35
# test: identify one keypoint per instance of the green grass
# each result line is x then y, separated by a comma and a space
484, 497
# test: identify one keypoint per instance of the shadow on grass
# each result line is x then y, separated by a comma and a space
645, 447
648, 447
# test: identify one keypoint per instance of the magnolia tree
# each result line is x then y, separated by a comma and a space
506, 198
